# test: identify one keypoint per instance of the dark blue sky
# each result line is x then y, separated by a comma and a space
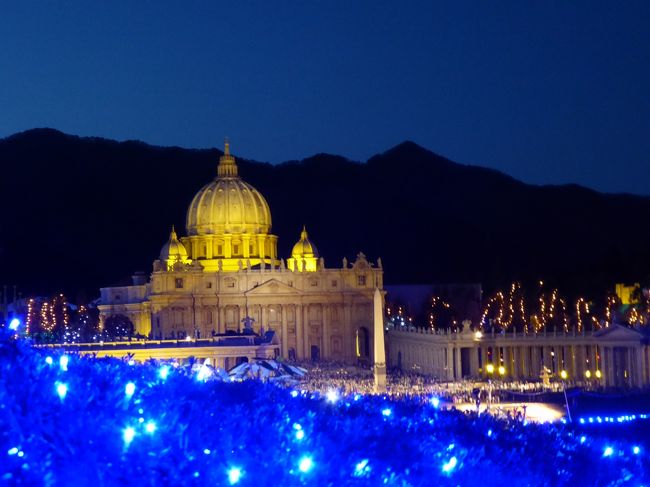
549, 92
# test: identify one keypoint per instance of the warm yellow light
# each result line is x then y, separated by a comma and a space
489, 368
588, 374
478, 335
564, 374
502, 370
598, 374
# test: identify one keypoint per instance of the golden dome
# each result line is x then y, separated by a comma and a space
228, 204
173, 250
304, 248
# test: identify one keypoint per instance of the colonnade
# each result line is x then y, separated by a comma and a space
609, 359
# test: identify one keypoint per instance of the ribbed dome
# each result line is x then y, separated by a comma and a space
228, 204
173, 250
304, 248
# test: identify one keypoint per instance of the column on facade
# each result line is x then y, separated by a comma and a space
305, 331
221, 319
326, 330
350, 344
284, 343
299, 337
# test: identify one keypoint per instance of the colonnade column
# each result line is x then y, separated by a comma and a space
459, 363
603, 365
450, 362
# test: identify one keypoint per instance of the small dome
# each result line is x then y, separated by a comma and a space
173, 250
228, 204
304, 248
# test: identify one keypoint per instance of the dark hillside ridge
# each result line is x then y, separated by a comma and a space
80, 213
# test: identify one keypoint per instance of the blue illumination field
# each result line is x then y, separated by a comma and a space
105, 422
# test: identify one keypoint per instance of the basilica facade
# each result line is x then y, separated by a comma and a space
225, 277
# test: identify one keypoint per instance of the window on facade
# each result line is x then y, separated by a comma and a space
231, 284
251, 250
361, 280
209, 285
290, 283
118, 297
178, 282
335, 283
313, 283
219, 249
235, 249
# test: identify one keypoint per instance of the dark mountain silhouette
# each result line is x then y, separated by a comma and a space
80, 213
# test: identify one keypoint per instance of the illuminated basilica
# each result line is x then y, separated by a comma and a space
225, 277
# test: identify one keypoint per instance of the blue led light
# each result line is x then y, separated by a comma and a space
63, 362
362, 468
607, 452
48, 360
332, 396
300, 434
234, 475
150, 427
435, 402
294, 393
386, 412
636, 450
12, 451
583, 439
14, 324
449, 466
305, 464
129, 389
127, 435
489, 433
163, 372
61, 389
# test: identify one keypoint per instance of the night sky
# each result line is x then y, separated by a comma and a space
549, 92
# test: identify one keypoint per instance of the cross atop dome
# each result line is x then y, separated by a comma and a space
227, 167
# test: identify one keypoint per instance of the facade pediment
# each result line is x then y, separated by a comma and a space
618, 333
272, 287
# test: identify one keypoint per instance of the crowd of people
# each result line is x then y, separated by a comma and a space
72, 420
324, 376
